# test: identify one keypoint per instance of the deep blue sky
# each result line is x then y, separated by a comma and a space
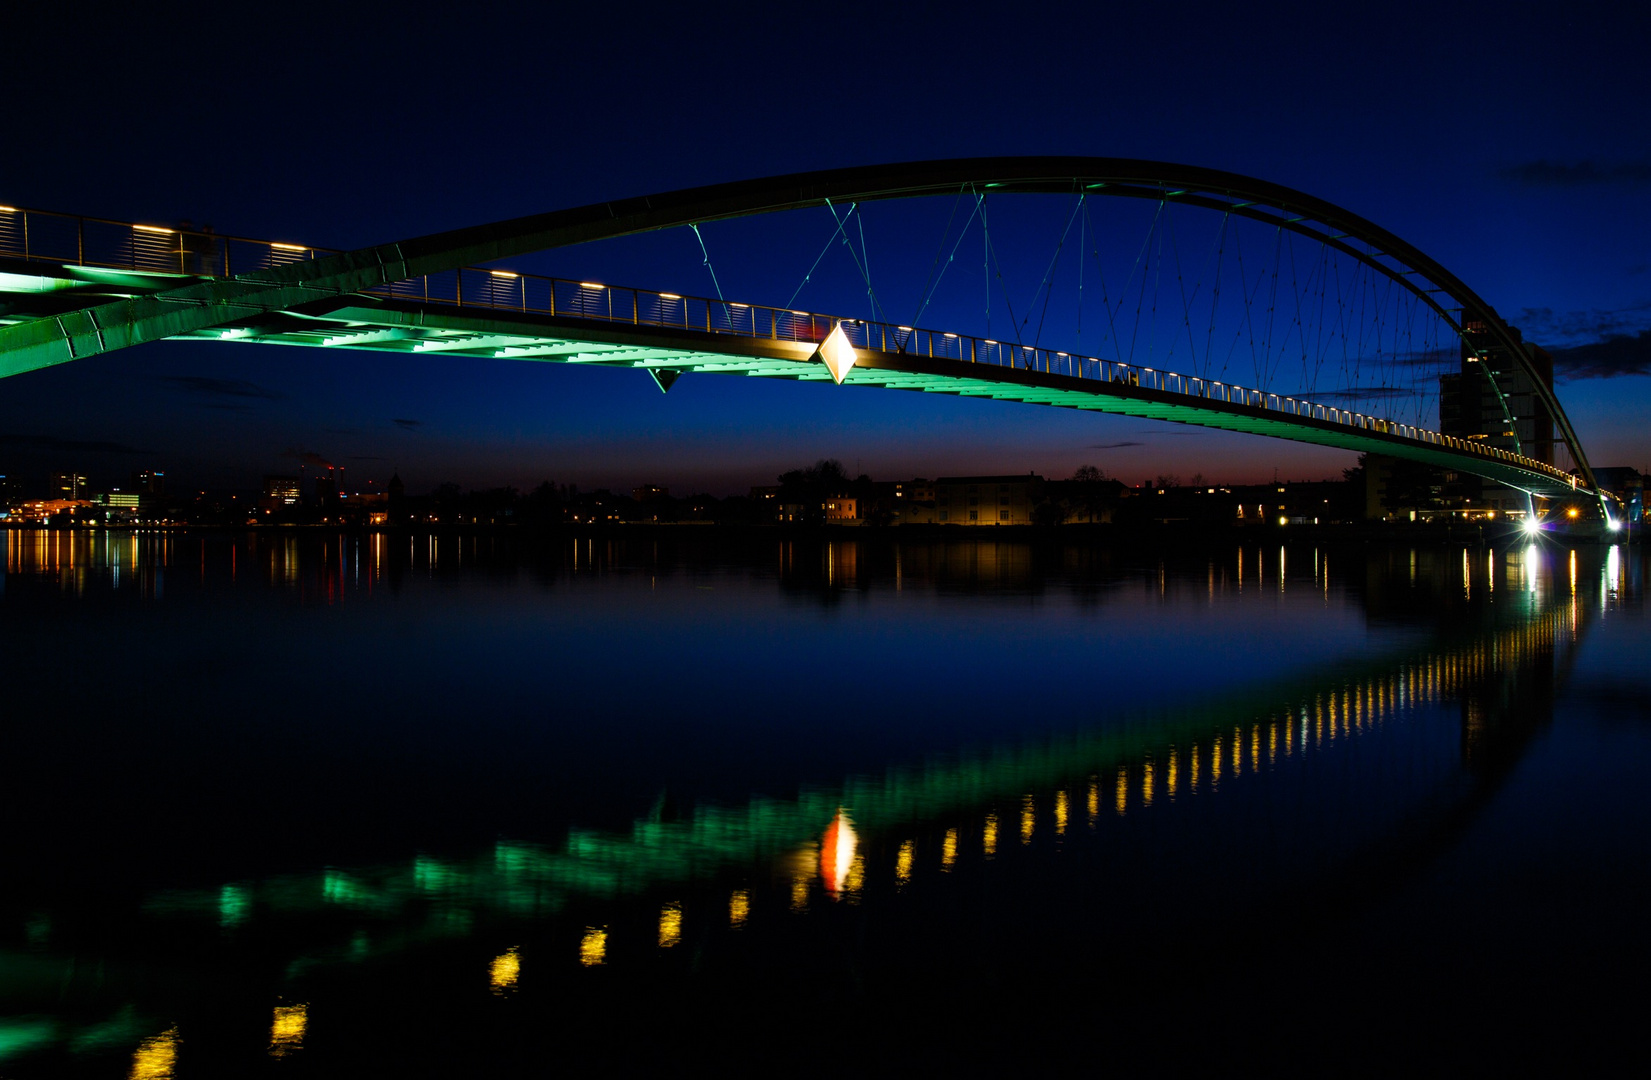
1509, 142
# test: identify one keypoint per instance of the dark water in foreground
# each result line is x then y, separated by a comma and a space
329, 804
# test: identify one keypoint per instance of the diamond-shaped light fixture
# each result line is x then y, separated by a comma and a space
837, 353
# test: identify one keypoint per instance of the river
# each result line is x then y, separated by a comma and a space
312, 803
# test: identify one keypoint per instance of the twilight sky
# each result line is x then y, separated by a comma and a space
1511, 142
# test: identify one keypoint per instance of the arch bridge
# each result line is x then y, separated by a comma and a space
74, 286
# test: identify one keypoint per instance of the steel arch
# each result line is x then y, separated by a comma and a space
206, 304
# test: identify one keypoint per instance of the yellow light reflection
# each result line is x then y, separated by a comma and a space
903, 862
501, 973
1094, 801
1192, 765
1169, 775
948, 850
593, 947
670, 925
1028, 819
286, 1031
837, 849
1146, 782
989, 835
1060, 813
155, 1057
1215, 764
1121, 795
739, 907
855, 879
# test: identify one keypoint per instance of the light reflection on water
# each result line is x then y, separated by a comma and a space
616, 894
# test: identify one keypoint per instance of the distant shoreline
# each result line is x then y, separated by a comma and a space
1179, 532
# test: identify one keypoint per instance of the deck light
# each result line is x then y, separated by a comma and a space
503, 274
591, 285
151, 228
281, 247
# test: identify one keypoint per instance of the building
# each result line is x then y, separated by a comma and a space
149, 482
70, 486
1494, 400
986, 500
282, 490
120, 506
1628, 485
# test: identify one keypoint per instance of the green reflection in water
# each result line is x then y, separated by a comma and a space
431, 899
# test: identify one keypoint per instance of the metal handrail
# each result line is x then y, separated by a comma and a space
47, 236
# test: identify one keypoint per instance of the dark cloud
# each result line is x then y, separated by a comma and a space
1545, 326
1112, 445
1621, 354
210, 387
409, 425
365, 457
1545, 173
1356, 393
308, 457
1430, 358
77, 446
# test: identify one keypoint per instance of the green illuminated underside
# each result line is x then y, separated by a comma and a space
370, 324
427, 329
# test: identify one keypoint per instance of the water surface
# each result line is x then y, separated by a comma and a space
314, 803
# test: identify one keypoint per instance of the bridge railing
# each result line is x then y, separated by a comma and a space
183, 249
77, 240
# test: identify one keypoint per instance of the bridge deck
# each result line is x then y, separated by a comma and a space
494, 313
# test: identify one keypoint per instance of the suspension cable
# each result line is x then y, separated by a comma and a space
1049, 274
934, 287
864, 274
808, 276
727, 314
